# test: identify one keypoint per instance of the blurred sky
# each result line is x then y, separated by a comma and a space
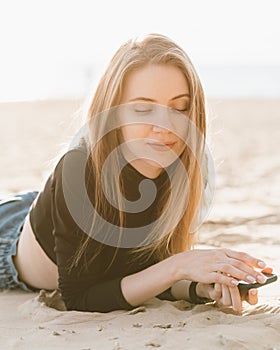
59, 48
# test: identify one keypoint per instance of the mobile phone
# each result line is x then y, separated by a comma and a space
244, 286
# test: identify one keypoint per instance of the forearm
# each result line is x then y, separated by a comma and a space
146, 284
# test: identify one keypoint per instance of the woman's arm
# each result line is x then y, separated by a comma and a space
179, 290
146, 284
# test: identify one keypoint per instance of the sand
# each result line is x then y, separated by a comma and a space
244, 140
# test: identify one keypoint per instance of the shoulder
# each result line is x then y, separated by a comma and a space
73, 163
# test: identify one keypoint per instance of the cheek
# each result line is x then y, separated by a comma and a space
131, 132
180, 147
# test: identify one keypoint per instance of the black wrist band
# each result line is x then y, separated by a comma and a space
194, 298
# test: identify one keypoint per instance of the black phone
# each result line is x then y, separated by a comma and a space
244, 286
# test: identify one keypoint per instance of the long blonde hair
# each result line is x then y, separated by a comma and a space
134, 54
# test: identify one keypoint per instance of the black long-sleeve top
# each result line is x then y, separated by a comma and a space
94, 289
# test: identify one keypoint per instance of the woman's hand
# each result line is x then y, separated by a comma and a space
224, 266
229, 296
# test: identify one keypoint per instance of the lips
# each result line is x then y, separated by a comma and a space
168, 143
161, 146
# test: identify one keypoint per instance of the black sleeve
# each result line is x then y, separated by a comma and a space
166, 295
80, 291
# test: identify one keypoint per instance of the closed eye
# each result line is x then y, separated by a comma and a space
180, 110
143, 108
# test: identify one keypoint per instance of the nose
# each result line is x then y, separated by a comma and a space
162, 121
157, 128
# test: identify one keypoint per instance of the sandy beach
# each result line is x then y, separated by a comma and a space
244, 140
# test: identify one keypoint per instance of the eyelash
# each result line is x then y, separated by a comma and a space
151, 110
180, 110
143, 111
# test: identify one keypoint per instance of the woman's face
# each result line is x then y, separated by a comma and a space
156, 99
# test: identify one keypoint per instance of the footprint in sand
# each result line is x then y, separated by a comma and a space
261, 309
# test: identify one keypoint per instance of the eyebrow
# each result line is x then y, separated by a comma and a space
151, 100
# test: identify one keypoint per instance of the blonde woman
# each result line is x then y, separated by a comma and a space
114, 224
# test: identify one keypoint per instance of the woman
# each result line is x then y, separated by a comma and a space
112, 239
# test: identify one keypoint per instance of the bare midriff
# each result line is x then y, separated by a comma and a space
33, 265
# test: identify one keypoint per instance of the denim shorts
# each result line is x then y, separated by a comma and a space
13, 211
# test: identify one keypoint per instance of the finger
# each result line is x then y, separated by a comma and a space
220, 278
236, 269
245, 257
218, 288
226, 297
216, 292
235, 298
252, 296
267, 270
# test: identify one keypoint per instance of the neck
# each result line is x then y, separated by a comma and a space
146, 169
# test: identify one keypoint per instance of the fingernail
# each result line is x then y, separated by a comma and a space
261, 278
251, 279
234, 282
253, 291
261, 264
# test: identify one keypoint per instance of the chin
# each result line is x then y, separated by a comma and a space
157, 166
154, 164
